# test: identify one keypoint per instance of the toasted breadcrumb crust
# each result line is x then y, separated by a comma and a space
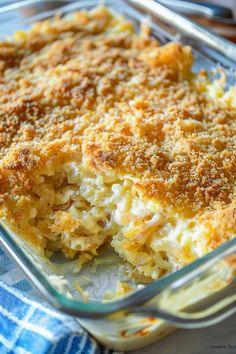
90, 86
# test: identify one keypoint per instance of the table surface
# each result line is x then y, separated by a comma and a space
217, 339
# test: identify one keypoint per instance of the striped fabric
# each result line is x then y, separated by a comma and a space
27, 326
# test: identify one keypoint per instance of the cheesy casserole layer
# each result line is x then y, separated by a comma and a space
108, 137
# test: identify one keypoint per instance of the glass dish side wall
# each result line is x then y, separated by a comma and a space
126, 325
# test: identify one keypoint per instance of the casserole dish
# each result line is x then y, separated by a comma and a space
199, 294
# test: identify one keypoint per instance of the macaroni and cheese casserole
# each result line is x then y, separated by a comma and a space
107, 136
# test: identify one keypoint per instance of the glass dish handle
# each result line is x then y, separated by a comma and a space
200, 298
198, 319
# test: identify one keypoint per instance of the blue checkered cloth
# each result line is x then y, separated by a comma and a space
27, 326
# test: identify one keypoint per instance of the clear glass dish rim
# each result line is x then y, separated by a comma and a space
97, 310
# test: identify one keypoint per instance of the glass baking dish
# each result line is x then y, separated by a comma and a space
200, 294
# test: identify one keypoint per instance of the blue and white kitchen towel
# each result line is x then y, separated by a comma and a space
28, 327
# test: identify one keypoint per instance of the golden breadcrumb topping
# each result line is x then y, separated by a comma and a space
88, 88
141, 117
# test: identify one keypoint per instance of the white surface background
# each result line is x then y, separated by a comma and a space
218, 339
